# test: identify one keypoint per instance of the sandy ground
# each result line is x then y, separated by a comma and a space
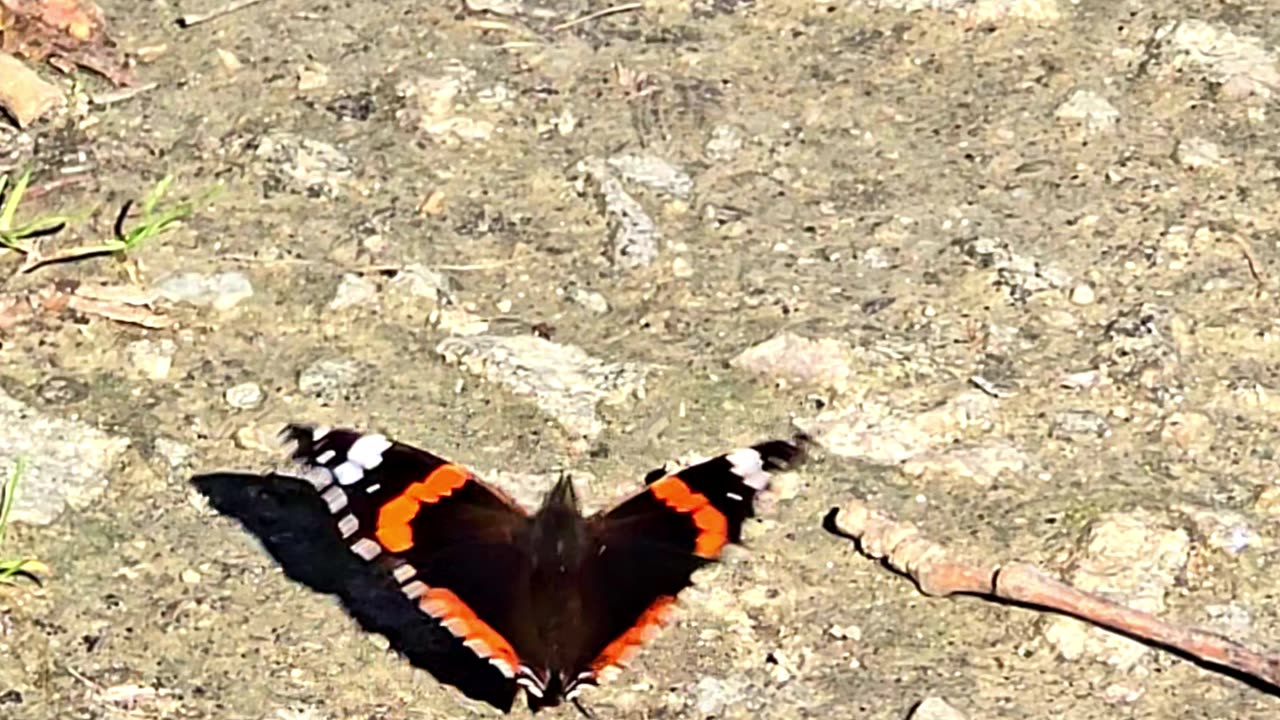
1071, 207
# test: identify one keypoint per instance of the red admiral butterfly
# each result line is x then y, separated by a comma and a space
553, 600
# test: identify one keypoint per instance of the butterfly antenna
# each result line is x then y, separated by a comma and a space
586, 713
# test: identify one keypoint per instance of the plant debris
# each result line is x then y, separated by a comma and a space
22, 307
66, 33
23, 93
938, 573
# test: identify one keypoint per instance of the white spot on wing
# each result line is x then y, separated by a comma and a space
367, 450
479, 647
335, 498
366, 548
403, 572
748, 465
530, 681
529, 684
324, 457
348, 473
504, 667
434, 608
348, 525
414, 590
319, 477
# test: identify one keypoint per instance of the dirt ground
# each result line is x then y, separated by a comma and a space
907, 182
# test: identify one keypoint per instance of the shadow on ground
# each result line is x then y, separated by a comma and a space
291, 522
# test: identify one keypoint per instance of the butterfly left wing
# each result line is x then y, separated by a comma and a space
652, 543
447, 538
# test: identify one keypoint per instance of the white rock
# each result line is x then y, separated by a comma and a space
1083, 295
151, 359
353, 290
245, 396
885, 432
935, 708
1240, 63
221, 291
1197, 153
593, 301
564, 381
1090, 109
789, 357
1132, 558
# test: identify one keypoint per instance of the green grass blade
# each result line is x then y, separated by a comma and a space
9, 568
153, 197
10, 208
8, 493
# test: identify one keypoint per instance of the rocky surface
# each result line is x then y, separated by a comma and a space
1011, 263
67, 463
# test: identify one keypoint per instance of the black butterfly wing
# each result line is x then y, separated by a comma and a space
451, 542
652, 543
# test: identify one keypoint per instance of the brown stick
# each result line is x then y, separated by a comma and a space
937, 573
628, 7
193, 19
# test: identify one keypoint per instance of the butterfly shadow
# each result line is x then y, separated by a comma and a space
293, 524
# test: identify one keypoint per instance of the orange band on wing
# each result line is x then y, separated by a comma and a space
713, 526
624, 646
462, 621
393, 529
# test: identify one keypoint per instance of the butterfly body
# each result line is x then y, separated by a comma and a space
551, 599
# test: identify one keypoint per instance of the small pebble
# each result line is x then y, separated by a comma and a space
312, 77
245, 396
221, 291
1079, 423
176, 453
228, 60
421, 281
935, 708
253, 437
152, 359
1191, 432
633, 238
681, 268
1083, 295
1268, 502
190, 576
593, 301
329, 380
353, 290
653, 172
1089, 109
724, 143
457, 321
845, 632
1197, 153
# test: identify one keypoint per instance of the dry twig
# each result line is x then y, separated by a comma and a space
124, 304
1255, 267
628, 7
194, 19
938, 573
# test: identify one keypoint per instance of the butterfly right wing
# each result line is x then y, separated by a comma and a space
652, 542
449, 540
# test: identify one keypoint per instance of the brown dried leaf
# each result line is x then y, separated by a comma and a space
119, 312
67, 33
